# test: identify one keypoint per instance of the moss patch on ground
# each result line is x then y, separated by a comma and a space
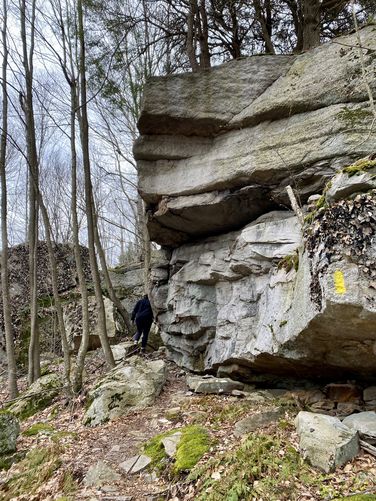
7, 460
211, 409
358, 497
33, 471
194, 443
267, 467
38, 428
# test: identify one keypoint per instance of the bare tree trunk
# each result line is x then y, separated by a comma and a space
32, 158
55, 290
264, 27
203, 35
311, 23
84, 134
297, 18
7, 317
191, 35
80, 361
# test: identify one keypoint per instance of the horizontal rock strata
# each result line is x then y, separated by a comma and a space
246, 289
217, 148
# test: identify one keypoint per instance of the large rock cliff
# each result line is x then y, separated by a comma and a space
245, 289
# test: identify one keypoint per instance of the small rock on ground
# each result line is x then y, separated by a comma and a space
100, 474
135, 464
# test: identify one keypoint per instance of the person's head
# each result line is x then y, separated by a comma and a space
146, 296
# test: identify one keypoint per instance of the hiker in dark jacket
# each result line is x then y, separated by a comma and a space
143, 316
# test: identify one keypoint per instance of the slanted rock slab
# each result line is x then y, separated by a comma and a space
100, 474
216, 385
9, 431
135, 464
132, 386
120, 350
258, 420
324, 441
363, 422
171, 443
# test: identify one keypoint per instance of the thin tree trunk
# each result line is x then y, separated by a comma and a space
84, 134
269, 48
80, 361
203, 35
191, 35
7, 316
311, 23
32, 158
56, 296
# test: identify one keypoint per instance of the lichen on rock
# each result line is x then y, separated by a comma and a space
134, 385
37, 397
9, 431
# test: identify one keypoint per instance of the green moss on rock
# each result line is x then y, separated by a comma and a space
289, 262
38, 428
33, 471
39, 396
362, 165
193, 444
354, 117
9, 431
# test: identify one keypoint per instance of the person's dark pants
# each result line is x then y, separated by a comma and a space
143, 329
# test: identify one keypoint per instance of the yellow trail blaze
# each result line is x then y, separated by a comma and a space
339, 282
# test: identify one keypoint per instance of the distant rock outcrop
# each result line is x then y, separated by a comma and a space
247, 290
20, 290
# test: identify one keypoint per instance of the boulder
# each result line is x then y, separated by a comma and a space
9, 431
324, 441
248, 291
347, 182
363, 422
38, 396
246, 129
100, 474
257, 420
121, 350
132, 386
205, 384
72, 312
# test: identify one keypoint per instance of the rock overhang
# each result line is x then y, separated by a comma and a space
233, 295
228, 140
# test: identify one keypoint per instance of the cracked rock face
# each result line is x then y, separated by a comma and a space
247, 291
247, 302
217, 148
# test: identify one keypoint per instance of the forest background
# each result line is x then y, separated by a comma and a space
72, 78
